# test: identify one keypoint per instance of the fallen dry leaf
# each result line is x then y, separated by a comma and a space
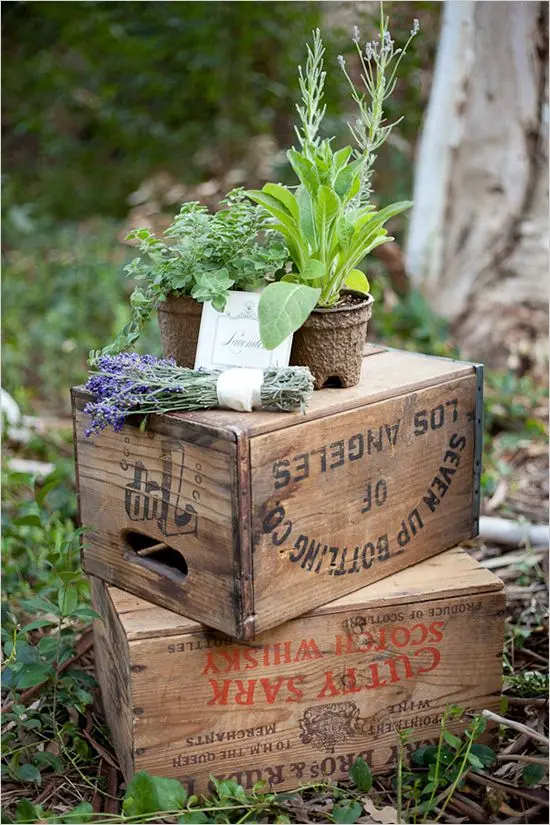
386, 815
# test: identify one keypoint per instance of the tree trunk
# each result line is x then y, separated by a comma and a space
478, 238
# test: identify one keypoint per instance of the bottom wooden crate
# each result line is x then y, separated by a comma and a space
302, 701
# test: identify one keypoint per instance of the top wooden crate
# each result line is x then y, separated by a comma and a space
244, 520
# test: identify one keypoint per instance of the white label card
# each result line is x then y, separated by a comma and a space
232, 338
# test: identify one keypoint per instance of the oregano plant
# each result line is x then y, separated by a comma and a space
204, 255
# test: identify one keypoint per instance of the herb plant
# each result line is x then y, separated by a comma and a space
205, 256
328, 223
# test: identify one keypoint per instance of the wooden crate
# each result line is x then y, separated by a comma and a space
305, 699
244, 520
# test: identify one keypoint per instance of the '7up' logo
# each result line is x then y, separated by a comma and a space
148, 500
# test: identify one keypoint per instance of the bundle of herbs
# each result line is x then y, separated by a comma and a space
127, 384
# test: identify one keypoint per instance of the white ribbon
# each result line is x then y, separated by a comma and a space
240, 388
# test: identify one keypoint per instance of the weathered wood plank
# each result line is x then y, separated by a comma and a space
138, 488
348, 499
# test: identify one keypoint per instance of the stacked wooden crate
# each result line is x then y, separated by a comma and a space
224, 527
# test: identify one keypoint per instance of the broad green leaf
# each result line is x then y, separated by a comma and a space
298, 251
361, 775
36, 624
282, 309
152, 794
67, 600
344, 231
83, 813
85, 613
357, 280
285, 197
29, 520
345, 179
307, 220
341, 157
485, 754
305, 171
312, 271
533, 773
193, 818
28, 773
475, 762
346, 811
27, 812
327, 208
451, 739
48, 759
32, 675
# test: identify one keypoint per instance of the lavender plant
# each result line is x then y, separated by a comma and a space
379, 62
127, 384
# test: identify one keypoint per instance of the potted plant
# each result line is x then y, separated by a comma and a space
328, 221
204, 256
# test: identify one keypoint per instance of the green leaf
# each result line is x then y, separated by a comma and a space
28, 773
346, 811
29, 520
67, 600
475, 762
345, 183
49, 760
452, 740
85, 613
282, 309
151, 794
305, 171
313, 271
198, 817
36, 624
341, 157
485, 755
83, 813
361, 775
533, 773
307, 219
32, 675
357, 280
285, 197
27, 812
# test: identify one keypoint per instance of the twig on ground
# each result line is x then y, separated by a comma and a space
532, 795
522, 702
521, 757
510, 723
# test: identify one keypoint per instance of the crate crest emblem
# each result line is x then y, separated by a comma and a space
326, 726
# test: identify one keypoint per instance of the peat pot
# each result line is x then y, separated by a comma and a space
331, 341
179, 321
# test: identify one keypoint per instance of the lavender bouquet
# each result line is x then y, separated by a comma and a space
127, 384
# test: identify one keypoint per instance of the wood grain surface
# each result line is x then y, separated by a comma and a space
347, 499
304, 700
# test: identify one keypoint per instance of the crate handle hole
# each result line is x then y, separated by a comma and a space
333, 382
155, 555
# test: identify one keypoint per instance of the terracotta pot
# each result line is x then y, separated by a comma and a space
179, 322
331, 342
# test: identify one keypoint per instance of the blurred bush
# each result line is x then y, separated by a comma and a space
97, 95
